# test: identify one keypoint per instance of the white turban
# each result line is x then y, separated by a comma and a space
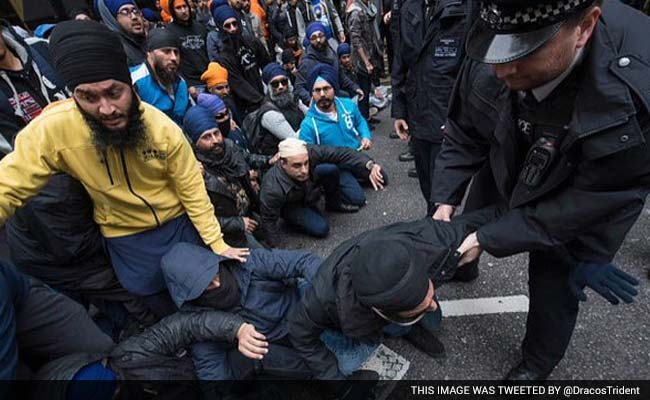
292, 147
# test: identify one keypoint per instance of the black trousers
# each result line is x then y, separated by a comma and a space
552, 313
425, 153
364, 81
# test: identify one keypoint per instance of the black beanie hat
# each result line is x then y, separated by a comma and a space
384, 276
288, 56
87, 52
160, 38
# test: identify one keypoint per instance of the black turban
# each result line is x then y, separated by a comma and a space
88, 52
160, 38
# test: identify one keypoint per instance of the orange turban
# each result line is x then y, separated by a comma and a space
214, 75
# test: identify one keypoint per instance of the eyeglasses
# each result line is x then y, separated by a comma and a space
130, 11
230, 25
283, 81
221, 115
324, 89
316, 36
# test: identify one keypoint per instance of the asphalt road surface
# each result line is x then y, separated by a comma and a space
609, 342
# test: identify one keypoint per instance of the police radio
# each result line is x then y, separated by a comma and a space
539, 160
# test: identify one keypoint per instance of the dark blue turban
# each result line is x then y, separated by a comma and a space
326, 72
198, 119
271, 71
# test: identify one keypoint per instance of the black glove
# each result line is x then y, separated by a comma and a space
607, 280
358, 386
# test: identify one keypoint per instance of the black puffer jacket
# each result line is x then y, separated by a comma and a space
332, 304
150, 356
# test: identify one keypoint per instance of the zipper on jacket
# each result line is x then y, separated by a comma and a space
128, 182
108, 167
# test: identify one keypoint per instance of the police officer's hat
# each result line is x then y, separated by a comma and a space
507, 30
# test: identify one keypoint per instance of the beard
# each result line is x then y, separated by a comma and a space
167, 77
324, 104
284, 99
133, 136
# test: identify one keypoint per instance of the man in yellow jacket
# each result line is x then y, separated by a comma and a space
135, 163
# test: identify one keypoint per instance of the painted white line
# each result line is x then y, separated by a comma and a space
485, 305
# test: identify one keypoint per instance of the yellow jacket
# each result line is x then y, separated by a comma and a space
133, 190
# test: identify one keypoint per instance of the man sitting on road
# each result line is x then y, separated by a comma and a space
292, 188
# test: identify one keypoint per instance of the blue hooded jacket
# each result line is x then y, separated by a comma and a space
267, 282
348, 131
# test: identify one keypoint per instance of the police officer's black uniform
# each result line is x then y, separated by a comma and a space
572, 171
429, 50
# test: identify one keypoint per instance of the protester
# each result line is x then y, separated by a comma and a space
425, 68
574, 185
28, 83
125, 18
146, 197
80, 13
346, 68
289, 63
38, 323
262, 292
192, 37
290, 16
290, 41
319, 52
367, 54
242, 58
227, 175
158, 79
216, 80
257, 26
292, 188
332, 120
151, 19
325, 13
227, 125
280, 116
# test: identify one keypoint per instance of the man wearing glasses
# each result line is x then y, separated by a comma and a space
125, 18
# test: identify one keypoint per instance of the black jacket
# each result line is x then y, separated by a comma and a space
332, 304
194, 53
428, 56
595, 190
280, 191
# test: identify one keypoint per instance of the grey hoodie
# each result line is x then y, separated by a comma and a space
134, 46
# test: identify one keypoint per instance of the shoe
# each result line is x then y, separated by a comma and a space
523, 373
426, 342
406, 157
412, 173
393, 135
466, 273
344, 208
373, 120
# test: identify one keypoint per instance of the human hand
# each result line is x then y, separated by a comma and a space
387, 17
370, 68
239, 254
444, 212
605, 279
274, 159
376, 178
366, 144
470, 249
250, 225
342, 37
361, 94
252, 344
233, 125
402, 129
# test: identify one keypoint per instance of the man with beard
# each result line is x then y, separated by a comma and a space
242, 58
291, 42
216, 82
291, 15
228, 176
320, 52
192, 36
136, 165
220, 112
157, 79
292, 188
280, 116
125, 18
331, 120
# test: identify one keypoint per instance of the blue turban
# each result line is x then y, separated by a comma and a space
197, 120
115, 5
216, 4
326, 72
315, 27
271, 71
222, 14
150, 15
92, 382
343, 49
212, 102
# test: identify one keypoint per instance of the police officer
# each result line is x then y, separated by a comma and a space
429, 39
553, 108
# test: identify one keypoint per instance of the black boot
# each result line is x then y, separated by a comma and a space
466, 273
344, 208
406, 156
426, 342
522, 372
412, 173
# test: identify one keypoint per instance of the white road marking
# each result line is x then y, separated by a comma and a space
485, 305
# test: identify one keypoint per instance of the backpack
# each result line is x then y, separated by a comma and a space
252, 125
